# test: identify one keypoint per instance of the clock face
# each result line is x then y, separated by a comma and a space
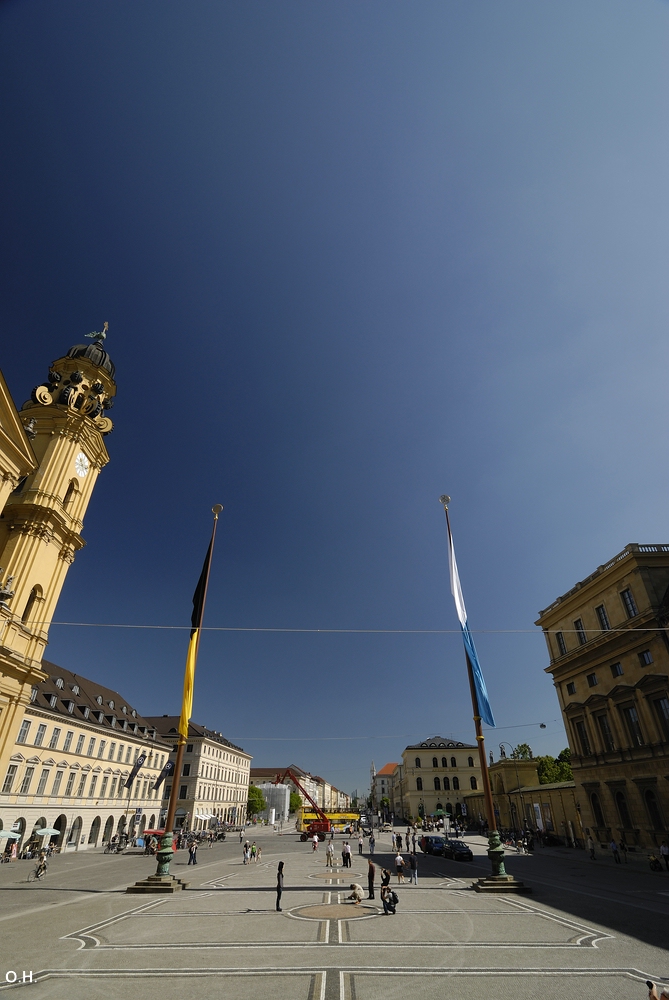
81, 465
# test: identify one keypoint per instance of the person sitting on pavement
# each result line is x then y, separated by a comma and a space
654, 995
356, 894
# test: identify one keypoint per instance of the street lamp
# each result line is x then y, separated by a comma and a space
522, 801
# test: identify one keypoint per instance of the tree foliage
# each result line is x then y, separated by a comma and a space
295, 802
522, 752
256, 803
552, 769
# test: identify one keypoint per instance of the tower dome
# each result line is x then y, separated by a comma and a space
95, 353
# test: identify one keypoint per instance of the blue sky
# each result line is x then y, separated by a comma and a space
353, 256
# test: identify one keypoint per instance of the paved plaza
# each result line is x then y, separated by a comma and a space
588, 928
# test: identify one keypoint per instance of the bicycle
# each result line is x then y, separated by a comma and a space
38, 872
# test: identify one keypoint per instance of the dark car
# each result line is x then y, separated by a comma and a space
432, 845
457, 851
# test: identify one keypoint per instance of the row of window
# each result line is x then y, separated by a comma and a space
631, 610
632, 724
645, 659
115, 790
446, 784
112, 752
650, 802
444, 762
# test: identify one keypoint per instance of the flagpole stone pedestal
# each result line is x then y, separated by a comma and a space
159, 884
500, 883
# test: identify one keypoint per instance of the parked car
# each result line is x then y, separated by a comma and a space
386, 828
457, 851
432, 845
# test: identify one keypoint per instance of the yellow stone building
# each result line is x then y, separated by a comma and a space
608, 643
522, 803
51, 453
433, 778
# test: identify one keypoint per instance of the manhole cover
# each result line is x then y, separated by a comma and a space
335, 911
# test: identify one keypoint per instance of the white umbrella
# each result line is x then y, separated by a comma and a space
46, 831
8, 835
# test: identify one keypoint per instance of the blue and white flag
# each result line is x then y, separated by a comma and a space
485, 711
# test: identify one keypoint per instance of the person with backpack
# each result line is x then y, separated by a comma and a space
390, 899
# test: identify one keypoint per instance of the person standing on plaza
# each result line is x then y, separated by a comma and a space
279, 886
329, 856
360, 844
258, 853
664, 853
371, 872
399, 868
254, 851
347, 854
413, 865
413, 841
372, 843
614, 851
192, 852
385, 877
591, 848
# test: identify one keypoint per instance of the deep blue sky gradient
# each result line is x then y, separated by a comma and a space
352, 255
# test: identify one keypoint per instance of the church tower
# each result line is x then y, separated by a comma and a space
42, 519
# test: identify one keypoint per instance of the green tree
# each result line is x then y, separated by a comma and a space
295, 802
522, 752
555, 768
256, 803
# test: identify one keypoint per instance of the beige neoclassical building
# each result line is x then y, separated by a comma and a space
74, 752
608, 642
433, 778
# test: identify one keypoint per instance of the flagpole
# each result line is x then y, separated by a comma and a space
166, 853
500, 881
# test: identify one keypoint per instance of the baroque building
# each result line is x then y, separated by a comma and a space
609, 658
51, 453
214, 779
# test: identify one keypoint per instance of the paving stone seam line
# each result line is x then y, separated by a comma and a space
416, 945
385, 970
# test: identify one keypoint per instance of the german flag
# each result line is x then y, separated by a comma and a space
191, 656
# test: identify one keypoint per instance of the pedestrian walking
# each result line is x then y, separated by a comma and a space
408, 840
254, 851
347, 854
390, 899
314, 842
360, 844
413, 842
192, 853
329, 856
399, 868
413, 865
664, 853
356, 894
372, 843
614, 851
591, 848
241, 836
258, 853
623, 850
371, 872
279, 885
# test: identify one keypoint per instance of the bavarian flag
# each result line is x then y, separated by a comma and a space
485, 710
191, 656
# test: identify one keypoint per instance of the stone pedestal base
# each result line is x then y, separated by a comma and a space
160, 884
500, 883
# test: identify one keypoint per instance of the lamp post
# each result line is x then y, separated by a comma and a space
522, 801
